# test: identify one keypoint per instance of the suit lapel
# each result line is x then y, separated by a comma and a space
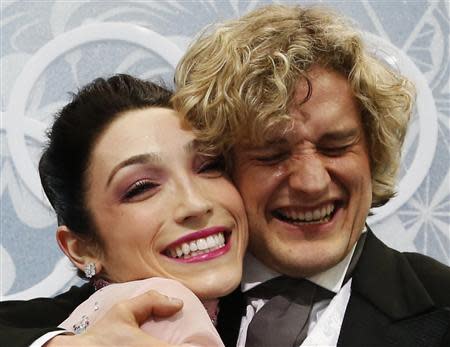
389, 305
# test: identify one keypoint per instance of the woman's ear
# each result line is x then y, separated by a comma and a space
79, 251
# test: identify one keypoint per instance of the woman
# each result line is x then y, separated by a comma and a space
136, 199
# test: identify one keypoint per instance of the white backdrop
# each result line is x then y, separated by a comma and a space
49, 48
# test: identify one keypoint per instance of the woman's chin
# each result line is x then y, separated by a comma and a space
216, 287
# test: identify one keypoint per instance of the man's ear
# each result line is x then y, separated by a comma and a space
79, 251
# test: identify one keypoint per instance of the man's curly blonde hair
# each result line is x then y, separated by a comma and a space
236, 82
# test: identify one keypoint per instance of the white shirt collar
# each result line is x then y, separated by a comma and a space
332, 279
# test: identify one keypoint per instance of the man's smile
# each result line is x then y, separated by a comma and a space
298, 215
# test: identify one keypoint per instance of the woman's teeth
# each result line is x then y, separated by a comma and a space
197, 247
319, 215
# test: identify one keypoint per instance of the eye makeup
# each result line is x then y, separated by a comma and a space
137, 182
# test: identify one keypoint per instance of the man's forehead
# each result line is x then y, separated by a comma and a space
277, 138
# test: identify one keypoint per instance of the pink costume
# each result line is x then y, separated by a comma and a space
191, 326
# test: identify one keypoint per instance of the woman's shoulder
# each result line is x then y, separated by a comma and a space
192, 323
157, 282
165, 286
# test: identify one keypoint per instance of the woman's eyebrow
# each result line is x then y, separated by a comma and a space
191, 146
145, 158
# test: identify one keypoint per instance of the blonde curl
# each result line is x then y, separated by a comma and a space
237, 79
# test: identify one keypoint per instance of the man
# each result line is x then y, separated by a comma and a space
312, 126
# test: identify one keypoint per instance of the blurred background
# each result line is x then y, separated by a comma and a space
50, 48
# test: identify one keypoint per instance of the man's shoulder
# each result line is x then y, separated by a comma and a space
434, 276
19, 312
383, 272
76, 293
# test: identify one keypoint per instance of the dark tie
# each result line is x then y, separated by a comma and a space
283, 320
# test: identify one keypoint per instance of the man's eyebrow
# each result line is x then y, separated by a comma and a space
145, 158
278, 141
267, 144
340, 135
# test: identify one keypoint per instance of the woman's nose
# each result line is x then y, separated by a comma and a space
192, 203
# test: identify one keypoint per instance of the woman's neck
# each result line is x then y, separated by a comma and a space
212, 307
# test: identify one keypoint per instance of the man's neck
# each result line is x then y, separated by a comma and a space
255, 272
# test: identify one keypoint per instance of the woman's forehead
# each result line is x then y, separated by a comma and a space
158, 124
152, 130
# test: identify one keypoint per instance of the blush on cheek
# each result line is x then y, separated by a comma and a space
223, 187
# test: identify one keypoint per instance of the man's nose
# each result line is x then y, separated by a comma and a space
309, 175
192, 202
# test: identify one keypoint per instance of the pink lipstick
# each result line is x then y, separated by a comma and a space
202, 245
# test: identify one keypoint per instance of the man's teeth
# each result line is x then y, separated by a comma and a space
319, 215
197, 247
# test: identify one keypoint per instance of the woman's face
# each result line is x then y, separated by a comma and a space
161, 208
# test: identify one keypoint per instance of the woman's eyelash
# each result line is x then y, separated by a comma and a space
138, 188
216, 164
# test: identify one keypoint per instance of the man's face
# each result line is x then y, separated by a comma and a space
308, 191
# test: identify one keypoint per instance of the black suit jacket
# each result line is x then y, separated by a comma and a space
398, 299
22, 322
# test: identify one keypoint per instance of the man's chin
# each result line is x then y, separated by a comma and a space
306, 263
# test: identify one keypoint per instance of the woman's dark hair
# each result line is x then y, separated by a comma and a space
65, 160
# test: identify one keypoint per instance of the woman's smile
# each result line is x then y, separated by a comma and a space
202, 245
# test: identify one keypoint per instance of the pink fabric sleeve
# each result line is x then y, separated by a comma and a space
189, 327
